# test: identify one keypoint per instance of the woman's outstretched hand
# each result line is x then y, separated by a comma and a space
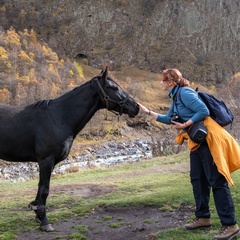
147, 111
143, 108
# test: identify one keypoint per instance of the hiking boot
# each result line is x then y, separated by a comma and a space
227, 232
199, 223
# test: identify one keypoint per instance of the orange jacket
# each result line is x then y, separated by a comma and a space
223, 147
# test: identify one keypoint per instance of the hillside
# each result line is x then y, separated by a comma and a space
201, 38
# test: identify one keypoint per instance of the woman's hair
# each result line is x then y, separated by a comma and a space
174, 76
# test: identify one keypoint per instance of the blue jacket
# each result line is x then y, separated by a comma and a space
188, 107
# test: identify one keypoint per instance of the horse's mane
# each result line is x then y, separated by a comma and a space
43, 104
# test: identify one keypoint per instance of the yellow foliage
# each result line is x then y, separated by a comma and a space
8, 65
61, 62
33, 65
24, 57
79, 69
49, 55
25, 31
52, 69
2, 9
23, 78
22, 13
45, 50
21, 94
55, 90
24, 42
71, 73
13, 38
54, 72
3, 53
33, 37
31, 55
212, 87
236, 75
4, 61
4, 95
72, 84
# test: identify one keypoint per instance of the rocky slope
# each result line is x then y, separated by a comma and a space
202, 38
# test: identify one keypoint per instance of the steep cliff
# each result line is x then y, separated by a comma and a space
201, 38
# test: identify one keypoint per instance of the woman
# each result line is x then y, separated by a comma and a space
185, 111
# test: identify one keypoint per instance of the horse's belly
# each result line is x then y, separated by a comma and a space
15, 157
16, 151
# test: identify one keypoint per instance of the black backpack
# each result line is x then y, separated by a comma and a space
217, 108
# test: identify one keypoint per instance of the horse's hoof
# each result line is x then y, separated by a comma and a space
47, 228
32, 207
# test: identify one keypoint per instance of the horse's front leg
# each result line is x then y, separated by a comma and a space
39, 205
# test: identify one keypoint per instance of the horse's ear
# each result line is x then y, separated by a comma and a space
105, 73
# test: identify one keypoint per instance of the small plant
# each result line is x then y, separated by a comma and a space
98, 221
107, 217
115, 225
78, 236
148, 221
81, 228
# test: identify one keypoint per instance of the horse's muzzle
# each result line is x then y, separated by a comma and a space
134, 113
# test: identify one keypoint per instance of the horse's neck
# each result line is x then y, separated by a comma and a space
78, 106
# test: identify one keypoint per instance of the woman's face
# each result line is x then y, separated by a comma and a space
165, 85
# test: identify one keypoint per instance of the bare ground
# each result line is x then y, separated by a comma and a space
112, 223
132, 223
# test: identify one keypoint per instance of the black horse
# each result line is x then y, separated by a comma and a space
44, 132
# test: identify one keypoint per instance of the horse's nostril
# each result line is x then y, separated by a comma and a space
137, 106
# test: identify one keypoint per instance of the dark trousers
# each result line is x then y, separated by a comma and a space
204, 176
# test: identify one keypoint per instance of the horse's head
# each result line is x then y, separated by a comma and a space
113, 97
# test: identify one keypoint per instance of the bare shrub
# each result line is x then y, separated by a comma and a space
165, 145
73, 169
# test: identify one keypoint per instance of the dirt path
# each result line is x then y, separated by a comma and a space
108, 223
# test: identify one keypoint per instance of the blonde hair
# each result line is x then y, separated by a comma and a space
174, 76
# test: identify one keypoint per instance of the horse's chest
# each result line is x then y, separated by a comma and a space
65, 149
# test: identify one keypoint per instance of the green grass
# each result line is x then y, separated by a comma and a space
164, 184
81, 228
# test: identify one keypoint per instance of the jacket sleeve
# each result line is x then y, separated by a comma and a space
165, 118
191, 100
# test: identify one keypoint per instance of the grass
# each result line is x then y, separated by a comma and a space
164, 184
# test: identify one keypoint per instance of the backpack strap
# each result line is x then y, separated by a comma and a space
177, 95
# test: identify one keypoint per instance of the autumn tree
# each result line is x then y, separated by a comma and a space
4, 95
31, 71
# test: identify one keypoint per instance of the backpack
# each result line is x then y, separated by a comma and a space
217, 108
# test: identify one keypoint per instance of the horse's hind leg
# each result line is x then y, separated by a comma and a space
39, 205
